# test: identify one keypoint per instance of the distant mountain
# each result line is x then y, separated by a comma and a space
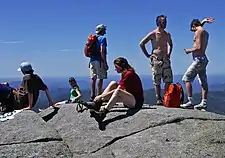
59, 89
216, 82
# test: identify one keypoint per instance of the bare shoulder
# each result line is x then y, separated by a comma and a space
153, 32
149, 36
168, 34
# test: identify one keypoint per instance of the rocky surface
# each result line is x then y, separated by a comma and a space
28, 135
151, 132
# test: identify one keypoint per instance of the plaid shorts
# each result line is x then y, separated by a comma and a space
161, 69
97, 70
198, 67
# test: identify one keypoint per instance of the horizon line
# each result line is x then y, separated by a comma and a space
141, 75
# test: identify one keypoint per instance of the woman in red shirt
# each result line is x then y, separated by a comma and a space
129, 90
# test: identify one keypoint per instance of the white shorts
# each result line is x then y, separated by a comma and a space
97, 70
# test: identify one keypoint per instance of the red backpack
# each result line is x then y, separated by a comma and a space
91, 47
174, 96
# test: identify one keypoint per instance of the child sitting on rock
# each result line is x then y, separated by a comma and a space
75, 94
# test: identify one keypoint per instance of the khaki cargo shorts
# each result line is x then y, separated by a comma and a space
161, 69
97, 70
198, 67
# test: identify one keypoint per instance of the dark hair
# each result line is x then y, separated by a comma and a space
158, 19
195, 22
72, 79
6, 83
30, 72
102, 32
123, 63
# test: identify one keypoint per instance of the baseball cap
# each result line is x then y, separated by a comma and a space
25, 66
100, 28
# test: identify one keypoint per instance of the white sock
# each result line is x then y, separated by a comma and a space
190, 99
204, 101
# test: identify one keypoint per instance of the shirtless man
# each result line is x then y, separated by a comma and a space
160, 55
198, 66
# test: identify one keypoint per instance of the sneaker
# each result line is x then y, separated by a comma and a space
200, 106
187, 105
99, 115
159, 101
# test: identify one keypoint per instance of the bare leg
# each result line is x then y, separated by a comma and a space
100, 83
112, 85
107, 93
121, 96
93, 82
204, 93
189, 89
166, 86
158, 91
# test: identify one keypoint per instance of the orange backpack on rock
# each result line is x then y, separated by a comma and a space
174, 96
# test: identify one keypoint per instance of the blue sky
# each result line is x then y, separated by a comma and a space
51, 34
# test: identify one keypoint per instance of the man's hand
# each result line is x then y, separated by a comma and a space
187, 51
208, 20
168, 55
105, 65
98, 98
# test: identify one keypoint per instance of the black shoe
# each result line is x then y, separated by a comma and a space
92, 98
99, 115
97, 105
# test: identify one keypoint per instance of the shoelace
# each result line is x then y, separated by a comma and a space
80, 107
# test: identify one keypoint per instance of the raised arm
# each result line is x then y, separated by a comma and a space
207, 20
144, 41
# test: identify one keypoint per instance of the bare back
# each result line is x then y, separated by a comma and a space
159, 41
202, 36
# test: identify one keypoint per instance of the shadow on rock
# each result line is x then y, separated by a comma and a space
130, 112
51, 115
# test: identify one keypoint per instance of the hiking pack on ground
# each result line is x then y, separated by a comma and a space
174, 96
91, 48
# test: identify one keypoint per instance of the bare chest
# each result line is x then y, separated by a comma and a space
161, 37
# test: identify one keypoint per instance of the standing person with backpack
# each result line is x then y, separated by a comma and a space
96, 50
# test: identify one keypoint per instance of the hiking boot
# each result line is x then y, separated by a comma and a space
97, 105
92, 98
99, 115
201, 106
187, 105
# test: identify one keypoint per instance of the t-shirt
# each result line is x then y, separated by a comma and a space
32, 83
102, 41
131, 82
73, 92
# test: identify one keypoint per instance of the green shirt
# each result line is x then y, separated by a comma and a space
73, 92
